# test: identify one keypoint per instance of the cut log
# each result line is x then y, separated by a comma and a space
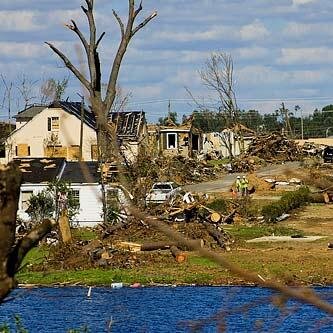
128, 246
167, 245
215, 217
326, 197
178, 255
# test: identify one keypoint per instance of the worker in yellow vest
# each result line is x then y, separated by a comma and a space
244, 185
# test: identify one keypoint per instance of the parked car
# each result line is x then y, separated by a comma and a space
328, 154
161, 192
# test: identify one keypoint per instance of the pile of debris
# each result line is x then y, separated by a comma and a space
136, 244
274, 147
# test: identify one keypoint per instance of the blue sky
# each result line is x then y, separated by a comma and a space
282, 50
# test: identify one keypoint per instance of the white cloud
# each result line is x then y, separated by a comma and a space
23, 20
251, 53
298, 56
254, 31
22, 50
215, 32
302, 2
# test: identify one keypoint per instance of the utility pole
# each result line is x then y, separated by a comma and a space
285, 114
297, 108
81, 128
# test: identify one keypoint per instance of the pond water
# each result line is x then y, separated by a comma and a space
162, 309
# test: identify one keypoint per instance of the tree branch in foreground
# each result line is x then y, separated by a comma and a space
11, 252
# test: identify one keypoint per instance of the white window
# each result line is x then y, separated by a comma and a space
53, 124
171, 140
25, 197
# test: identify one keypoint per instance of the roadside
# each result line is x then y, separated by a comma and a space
224, 183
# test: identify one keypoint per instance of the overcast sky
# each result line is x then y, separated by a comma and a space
282, 49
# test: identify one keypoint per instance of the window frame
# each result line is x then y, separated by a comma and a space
168, 135
23, 200
52, 125
75, 196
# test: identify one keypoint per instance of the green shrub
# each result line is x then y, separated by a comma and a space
219, 205
287, 202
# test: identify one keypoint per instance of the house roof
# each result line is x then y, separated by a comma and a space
128, 123
44, 170
75, 109
40, 170
81, 172
30, 111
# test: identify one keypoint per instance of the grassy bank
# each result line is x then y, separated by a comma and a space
292, 263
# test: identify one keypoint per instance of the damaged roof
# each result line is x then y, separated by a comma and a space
127, 124
84, 172
30, 112
40, 170
75, 109
44, 170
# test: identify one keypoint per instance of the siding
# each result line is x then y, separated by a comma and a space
91, 206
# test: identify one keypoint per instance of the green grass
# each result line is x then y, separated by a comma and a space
201, 261
242, 233
35, 256
84, 234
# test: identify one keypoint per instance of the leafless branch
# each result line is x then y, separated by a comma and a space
71, 67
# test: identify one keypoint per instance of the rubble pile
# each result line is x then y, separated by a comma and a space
135, 244
274, 147
179, 169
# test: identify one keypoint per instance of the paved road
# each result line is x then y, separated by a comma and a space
224, 183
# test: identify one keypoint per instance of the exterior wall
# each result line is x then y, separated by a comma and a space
36, 135
214, 142
181, 146
19, 124
34, 188
91, 208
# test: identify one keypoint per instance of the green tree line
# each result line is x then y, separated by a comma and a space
318, 124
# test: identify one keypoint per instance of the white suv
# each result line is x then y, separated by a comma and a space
161, 192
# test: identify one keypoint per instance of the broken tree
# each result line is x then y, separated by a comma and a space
13, 251
102, 105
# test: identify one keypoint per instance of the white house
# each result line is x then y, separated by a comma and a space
84, 183
52, 131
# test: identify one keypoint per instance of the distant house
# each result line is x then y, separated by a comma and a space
173, 140
131, 130
220, 142
52, 131
84, 183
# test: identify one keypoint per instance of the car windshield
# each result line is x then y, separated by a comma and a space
162, 187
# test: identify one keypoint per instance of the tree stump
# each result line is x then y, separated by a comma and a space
178, 255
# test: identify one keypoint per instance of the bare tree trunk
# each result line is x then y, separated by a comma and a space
102, 106
12, 252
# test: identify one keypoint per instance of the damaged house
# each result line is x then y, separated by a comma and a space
131, 131
227, 142
67, 129
171, 140
53, 131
